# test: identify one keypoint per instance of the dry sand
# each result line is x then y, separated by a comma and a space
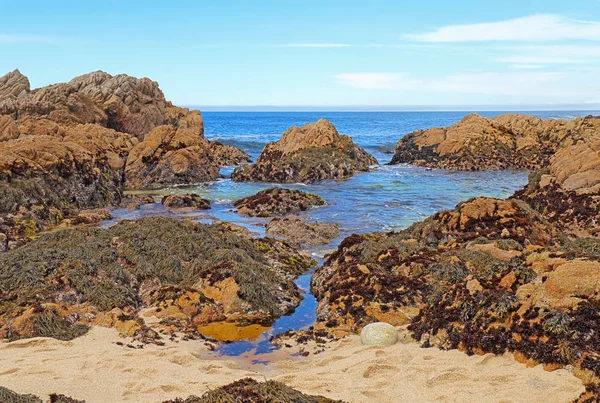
94, 368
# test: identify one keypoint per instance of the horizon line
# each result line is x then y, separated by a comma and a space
397, 108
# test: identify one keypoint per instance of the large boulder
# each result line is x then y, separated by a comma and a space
186, 274
509, 141
310, 153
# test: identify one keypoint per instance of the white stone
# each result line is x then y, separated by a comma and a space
379, 334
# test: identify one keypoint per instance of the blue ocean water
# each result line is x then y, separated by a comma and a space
388, 198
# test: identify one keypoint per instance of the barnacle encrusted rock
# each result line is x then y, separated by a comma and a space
277, 202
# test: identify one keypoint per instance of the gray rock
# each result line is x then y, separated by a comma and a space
379, 334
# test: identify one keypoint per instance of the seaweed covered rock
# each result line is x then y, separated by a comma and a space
388, 277
186, 201
313, 152
567, 191
75, 145
277, 202
248, 390
509, 141
300, 233
8, 396
186, 274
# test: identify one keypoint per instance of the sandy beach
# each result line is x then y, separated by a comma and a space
96, 369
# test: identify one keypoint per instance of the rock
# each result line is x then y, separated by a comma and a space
277, 202
178, 153
76, 145
188, 273
132, 105
567, 191
301, 234
379, 334
13, 85
314, 152
506, 142
134, 201
186, 201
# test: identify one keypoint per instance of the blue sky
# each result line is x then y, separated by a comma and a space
319, 53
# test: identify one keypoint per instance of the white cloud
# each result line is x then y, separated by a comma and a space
540, 27
526, 66
26, 39
541, 60
313, 45
491, 83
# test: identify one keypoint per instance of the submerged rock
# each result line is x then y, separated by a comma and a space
186, 201
248, 390
314, 152
276, 202
302, 234
378, 334
186, 274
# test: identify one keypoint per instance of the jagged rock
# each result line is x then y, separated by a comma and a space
301, 234
314, 152
178, 153
13, 85
378, 334
188, 274
505, 142
248, 390
186, 201
276, 202
132, 105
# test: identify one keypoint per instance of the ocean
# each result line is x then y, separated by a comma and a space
388, 198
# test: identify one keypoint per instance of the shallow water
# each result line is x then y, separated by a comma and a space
389, 198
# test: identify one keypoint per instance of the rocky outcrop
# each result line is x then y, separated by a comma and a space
186, 274
505, 142
567, 191
132, 105
277, 202
300, 233
388, 277
186, 201
248, 390
178, 153
77, 145
13, 85
313, 152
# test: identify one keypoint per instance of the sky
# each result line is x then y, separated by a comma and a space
334, 54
